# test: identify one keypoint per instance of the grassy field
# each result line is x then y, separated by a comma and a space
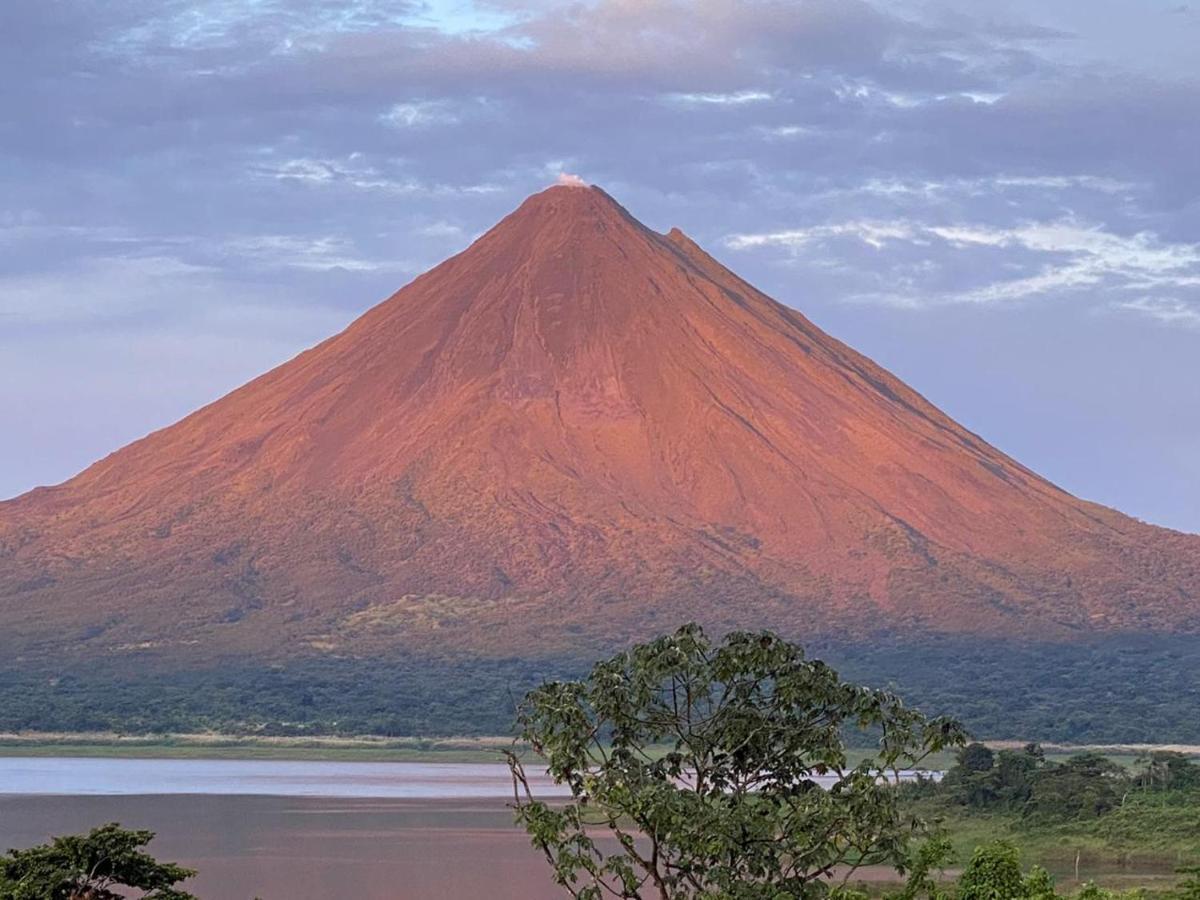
365, 749
368, 748
1137, 836
1131, 849
202, 746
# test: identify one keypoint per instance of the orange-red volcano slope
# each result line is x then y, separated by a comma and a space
576, 431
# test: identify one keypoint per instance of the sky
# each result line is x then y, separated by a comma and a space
998, 202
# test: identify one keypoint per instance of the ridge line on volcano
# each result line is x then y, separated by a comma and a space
570, 432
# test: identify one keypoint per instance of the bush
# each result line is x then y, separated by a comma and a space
994, 873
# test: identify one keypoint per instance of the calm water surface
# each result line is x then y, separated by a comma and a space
299, 778
295, 830
305, 848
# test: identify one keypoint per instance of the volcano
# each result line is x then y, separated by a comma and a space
576, 432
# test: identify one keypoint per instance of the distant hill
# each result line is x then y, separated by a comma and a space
575, 433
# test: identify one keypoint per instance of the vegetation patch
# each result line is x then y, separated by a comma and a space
1116, 691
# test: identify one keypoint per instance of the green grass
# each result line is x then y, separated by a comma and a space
363, 749
167, 751
1140, 834
464, 750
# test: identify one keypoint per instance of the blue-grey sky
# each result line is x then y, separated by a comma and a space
999, 202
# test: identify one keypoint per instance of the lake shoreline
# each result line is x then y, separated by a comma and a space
366, 748
381, 748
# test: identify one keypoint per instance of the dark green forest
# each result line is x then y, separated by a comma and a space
1131, 689
1127, 690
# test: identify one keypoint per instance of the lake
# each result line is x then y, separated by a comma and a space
296, 830
245, 777
300, 830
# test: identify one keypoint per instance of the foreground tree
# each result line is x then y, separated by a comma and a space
105, 864
701, 764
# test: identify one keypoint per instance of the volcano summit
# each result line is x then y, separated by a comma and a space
575, 432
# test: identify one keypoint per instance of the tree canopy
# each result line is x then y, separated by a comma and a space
704, 762
1086, 786
104, 864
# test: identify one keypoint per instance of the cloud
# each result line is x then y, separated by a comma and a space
873, 233
787, 131
441, 230
351, 172
419, 114
1044, 259
355, 173
736, 98
566, 179
319, 254
1060, 182
1167, 310
280, 26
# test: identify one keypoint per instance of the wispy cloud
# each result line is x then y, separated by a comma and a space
441, 230
876, 234
998, 184
1167, 310
735, 98
1043, 259
420, 114
787, 131
316, 254
352, 172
